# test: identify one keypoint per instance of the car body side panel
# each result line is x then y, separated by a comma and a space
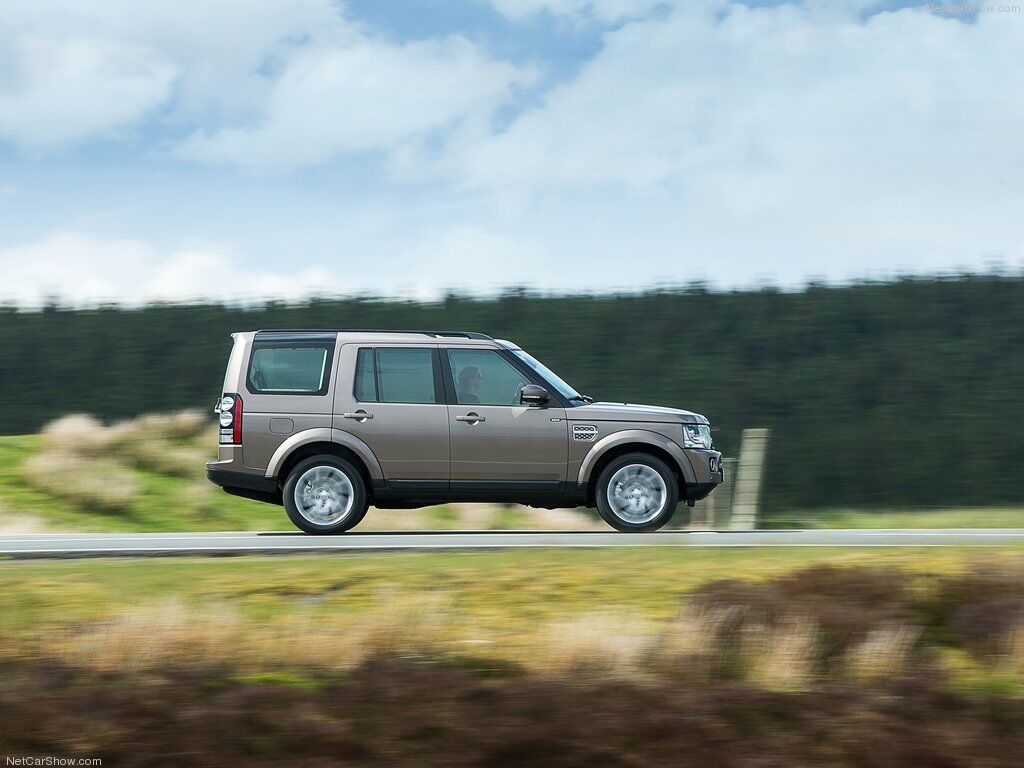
261, 444
325, 435
515, 443
305, 412
614, 436
234, 377
410, 440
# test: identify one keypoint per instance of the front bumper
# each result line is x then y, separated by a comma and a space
708, 472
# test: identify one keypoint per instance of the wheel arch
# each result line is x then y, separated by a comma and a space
618, 444
334, 442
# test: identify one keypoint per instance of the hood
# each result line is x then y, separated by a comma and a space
631, 412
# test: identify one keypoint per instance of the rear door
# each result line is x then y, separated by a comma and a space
391, 396
500, 448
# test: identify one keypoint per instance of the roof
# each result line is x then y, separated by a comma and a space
292, 334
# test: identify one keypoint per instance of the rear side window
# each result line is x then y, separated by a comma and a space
290, 370
366, 377
396, 375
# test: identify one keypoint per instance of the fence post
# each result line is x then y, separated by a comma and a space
749, 472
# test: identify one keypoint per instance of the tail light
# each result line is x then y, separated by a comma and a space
230, 410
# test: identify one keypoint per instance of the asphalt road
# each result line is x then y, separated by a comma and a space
44, 545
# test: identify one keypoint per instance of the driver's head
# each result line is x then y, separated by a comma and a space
470, 379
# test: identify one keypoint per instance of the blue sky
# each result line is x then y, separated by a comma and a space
255, 148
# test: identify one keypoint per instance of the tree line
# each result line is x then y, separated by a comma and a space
901, 393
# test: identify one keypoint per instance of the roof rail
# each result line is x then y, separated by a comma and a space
435, 334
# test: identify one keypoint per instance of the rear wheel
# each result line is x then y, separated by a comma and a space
325, 494
636, 492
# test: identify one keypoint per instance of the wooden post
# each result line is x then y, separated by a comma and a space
749, 472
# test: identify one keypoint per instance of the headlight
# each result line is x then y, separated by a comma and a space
696, 435
226, 417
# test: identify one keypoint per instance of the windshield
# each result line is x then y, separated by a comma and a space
550, 376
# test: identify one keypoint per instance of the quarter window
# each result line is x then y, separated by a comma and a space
395, 375
366, 377
289, 370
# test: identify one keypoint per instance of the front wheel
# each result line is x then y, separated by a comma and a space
636, 492
325, 494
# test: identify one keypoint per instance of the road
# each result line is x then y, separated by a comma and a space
44, 545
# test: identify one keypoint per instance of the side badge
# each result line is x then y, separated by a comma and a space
584, 433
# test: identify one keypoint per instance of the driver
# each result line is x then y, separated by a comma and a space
470, 381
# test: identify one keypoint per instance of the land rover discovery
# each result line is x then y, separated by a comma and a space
329, 422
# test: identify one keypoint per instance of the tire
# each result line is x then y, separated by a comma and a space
335, 500
643, 490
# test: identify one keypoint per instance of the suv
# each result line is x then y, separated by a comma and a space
329, 422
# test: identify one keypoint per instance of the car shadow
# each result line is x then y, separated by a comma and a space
435, 533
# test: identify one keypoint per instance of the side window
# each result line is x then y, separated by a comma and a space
395, 375
366, 377
484, 377
290, 370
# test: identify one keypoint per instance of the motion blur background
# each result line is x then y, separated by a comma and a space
801, 216
899, 394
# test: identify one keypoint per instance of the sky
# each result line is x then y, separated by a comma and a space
248, 149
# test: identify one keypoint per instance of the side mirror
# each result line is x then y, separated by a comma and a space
533, 395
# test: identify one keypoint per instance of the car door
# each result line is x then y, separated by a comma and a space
500, 448
393, 400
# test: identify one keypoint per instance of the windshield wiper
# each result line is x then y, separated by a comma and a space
582, 398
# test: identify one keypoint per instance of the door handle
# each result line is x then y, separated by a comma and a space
358, 415
472, 418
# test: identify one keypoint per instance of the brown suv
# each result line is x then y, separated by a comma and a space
329, 422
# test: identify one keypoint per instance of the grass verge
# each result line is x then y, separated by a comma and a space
797, 614
960, 517
547, 657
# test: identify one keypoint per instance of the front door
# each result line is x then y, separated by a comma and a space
500, 448
395, 403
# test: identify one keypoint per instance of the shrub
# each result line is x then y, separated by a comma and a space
883, 654
980, 608
77, 434
97, 483
844, 605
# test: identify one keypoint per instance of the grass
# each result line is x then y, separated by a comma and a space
496, 589
163, 503
961, 517
81, 475
623, 612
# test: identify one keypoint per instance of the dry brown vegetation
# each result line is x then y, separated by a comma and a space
822, 666
792, 632
88, 464
401, 712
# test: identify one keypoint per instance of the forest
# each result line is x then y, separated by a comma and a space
878, 394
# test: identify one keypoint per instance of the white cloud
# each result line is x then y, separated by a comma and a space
83, 269
60, 91
361, 95
251, 82
704, 140
470, 258
598, 10
766, 90
808, 137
